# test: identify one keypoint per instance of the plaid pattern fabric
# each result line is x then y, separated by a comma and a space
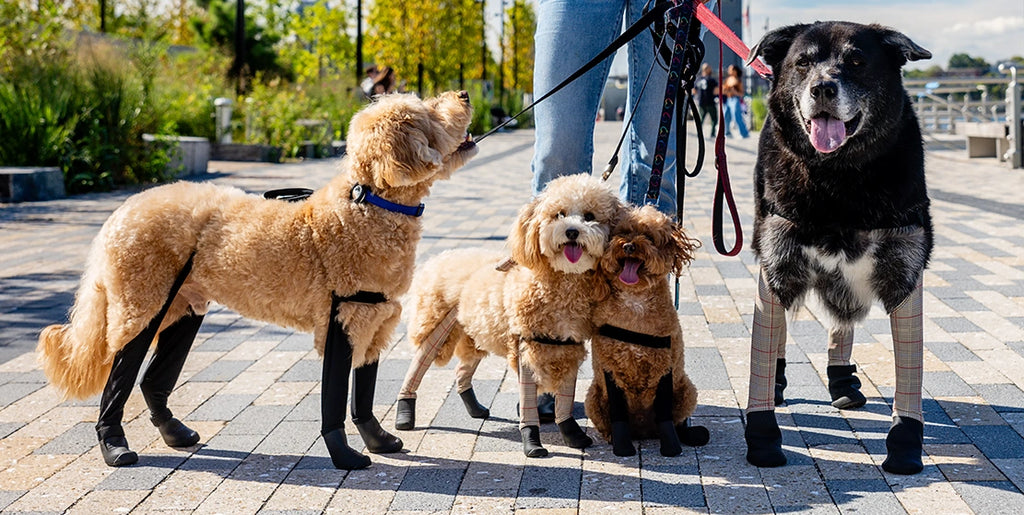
425, 355
840, 346
564, 399
908, 346
464, 374
767, 341
527, 397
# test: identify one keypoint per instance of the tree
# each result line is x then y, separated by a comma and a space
427, 42
966, 61
317, 41
520, 24
217, 30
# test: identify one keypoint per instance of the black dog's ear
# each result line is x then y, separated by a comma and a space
775, 45
900, 47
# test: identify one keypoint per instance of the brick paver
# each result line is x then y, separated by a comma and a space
252, 390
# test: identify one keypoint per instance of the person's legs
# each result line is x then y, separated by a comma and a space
565, 122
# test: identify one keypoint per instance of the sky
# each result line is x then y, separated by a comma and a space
990, 29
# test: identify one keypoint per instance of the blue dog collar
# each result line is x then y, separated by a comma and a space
361, 193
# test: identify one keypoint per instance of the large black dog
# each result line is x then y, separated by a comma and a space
841, 210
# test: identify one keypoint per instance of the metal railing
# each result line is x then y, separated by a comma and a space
942, 103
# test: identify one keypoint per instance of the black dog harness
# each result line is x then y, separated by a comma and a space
547, 340
363, 297
627, 336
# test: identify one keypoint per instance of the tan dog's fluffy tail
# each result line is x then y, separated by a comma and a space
75, 356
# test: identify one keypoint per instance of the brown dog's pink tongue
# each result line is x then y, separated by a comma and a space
573, 252
630, 269
827, 133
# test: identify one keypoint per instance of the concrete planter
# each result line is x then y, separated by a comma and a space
189, 154
27, 183
244, 152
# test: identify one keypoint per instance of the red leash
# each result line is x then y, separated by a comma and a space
727, 36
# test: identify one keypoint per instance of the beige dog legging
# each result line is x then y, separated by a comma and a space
428, 350
768, 343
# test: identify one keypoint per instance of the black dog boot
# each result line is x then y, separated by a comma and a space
622, 440
116, 452
405, 414
546, 407
903, 446
377, 440
780, 381
670, 445
473, 407
175, 433
764, 440
343, 456
531, 442
844, 387
573, 434
692, 436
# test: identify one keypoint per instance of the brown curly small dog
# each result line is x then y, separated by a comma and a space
334, 265
536, 313
640, 388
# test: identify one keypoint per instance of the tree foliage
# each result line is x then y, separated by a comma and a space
520, 24
217, 30
316, 42
966, 61
428, 44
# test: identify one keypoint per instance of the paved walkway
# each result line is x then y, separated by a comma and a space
252, 392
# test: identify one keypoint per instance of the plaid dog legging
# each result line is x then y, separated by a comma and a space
768, 343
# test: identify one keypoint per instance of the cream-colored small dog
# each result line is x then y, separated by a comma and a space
535, 312
334, 265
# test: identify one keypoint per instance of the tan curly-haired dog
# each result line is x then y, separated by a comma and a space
536, 313
334, 265
640, 388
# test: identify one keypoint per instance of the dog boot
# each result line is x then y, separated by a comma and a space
378, 441
473, 407
573, 434
764, 440
342, 456
622, 440
692, 436
116, 452
780, 381
903, 446
844, 387
405, 414
670, 445
176, 434
531, 442
546, 407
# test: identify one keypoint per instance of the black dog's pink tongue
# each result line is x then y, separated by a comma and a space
630, 271
827, 133
573, 252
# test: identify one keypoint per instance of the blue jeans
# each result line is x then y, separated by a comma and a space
570, 33
734, 113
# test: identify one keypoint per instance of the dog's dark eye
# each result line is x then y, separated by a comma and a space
588, 217
561, 214
856, 62
803, 62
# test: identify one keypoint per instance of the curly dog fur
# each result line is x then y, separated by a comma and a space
266, 259
645, 247
556, 243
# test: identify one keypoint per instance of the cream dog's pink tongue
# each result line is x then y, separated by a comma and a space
827, 133
630, 272
573, 252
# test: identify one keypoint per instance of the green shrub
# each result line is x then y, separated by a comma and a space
758, 111
40, 106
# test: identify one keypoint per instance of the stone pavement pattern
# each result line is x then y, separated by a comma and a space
252, 389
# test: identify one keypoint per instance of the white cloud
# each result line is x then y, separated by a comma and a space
994, 27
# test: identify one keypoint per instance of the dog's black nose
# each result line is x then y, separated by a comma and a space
572, 234
464, 95
629, 248
825, 90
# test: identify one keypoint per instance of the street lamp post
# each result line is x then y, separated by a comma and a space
240, 45
359, 41
483, 41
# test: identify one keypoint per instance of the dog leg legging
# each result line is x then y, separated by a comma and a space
425, 355
908, 347
769, 335
840, 346
767, 341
